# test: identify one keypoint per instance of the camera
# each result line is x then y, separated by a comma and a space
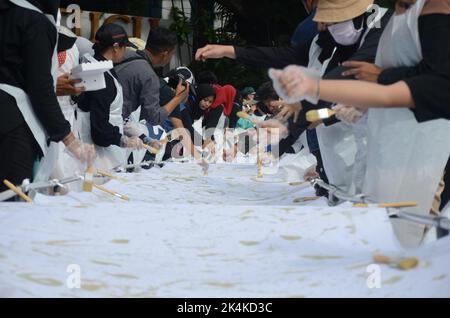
180, 73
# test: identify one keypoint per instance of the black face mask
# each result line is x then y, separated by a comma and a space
47, 6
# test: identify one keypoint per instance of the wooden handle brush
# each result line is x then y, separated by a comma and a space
17, 191
118, 195
88, 179
318, 114
386, 205
400, 263
151, 149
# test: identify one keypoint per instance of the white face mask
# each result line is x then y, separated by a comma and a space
344, 33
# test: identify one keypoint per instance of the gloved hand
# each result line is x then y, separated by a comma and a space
296, 83
85, 153
131, 142
348, 114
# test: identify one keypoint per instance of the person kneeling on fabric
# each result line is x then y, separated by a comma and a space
101, 111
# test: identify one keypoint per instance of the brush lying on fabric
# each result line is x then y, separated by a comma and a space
17, 191
305, 199
318, 114
386, 205
397, 262
297, 184
118, 195
88, 179
31, 187
151, 149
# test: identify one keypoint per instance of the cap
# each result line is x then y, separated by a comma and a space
110, 34
248, 91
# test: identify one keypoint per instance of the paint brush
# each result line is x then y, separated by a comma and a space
118, 195
318, 114
88, 179
386, 205
151, 149
17, 191
404, 263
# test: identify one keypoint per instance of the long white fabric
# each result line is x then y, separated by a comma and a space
228, 234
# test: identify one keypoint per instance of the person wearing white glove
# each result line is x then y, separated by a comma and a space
85, 153
296, 83
348, 114
131, 142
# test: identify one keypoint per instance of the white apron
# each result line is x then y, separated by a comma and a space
405, 158
342, 145
112, 156
138, 155
66, 165
50, 153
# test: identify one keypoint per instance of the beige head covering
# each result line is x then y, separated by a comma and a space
334, 11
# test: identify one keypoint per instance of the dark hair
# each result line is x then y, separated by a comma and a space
266, 92
102, 48
207, 77
160, 40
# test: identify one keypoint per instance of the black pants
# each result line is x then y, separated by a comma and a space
445, 197
321, 171
18, 151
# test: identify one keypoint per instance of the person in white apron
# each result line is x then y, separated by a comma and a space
100, 112
405, 159
31, 119
68, 58
350, 30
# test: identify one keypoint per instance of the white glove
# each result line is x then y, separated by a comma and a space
296, 83
348, 114
131, 142
85, 153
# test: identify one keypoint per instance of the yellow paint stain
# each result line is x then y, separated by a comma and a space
249, 243
440, 277
393, 280
124, 276
61, 243
105, 263
220, 284
357, 266
208, 254
291, 237
46, 281
92, 287
120, 241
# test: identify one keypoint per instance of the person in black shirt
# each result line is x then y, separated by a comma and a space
27, 44
105, 106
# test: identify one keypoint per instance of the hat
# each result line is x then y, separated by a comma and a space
248, 91
334, 11
204, 90
110, 34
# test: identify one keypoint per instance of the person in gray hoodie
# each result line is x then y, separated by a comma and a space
140, 83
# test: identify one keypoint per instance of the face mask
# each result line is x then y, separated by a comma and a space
345, 33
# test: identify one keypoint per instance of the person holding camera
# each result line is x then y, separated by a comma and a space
140, 82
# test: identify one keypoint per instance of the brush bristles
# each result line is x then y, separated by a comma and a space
318, 114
